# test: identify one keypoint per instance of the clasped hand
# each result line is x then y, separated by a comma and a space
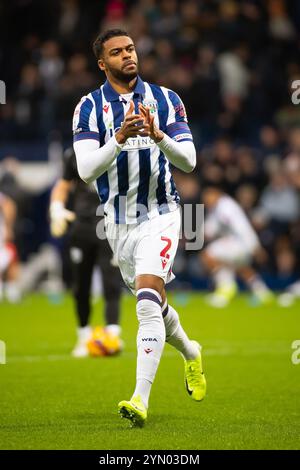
141, 124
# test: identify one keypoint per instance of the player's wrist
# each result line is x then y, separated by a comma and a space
157, 135
120, 137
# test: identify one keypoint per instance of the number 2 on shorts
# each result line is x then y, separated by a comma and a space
164, 252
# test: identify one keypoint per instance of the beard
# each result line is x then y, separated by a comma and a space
122, 76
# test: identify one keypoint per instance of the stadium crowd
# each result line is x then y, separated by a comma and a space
231, 62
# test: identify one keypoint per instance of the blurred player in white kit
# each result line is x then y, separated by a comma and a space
233, 244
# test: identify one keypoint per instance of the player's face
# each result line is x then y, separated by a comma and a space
119, 59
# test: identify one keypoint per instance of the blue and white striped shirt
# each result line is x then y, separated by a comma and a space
138, 184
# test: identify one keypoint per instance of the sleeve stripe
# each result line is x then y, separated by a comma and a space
178, 125
85, 112
178, 129
185, 140
86, 135
170, 108
93, 125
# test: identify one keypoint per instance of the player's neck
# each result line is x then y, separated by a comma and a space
122, 87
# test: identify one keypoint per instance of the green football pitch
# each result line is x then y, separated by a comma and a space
49, 400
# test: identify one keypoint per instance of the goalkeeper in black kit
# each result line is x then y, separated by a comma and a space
86, 252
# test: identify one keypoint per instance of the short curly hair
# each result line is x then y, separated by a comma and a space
103, 37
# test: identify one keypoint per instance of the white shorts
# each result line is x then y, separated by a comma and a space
230, 250
146, 248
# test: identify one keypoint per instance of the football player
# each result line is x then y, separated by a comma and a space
233, 244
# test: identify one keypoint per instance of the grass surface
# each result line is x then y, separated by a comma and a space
51, 401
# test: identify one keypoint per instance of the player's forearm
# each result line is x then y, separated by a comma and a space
9, 212
92, 160
60, 192
180, 154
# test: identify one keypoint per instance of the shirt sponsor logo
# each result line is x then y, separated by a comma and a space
136, 143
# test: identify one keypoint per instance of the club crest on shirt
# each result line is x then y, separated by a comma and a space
152, 104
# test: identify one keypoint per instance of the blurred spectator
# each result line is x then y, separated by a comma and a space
281, 27
51, 65
249, 171
234, 74
291, 166
280, 200
294, 140
29, 96
69, 18
75, 83
167, 23
270, 141
138, 27
246, 195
